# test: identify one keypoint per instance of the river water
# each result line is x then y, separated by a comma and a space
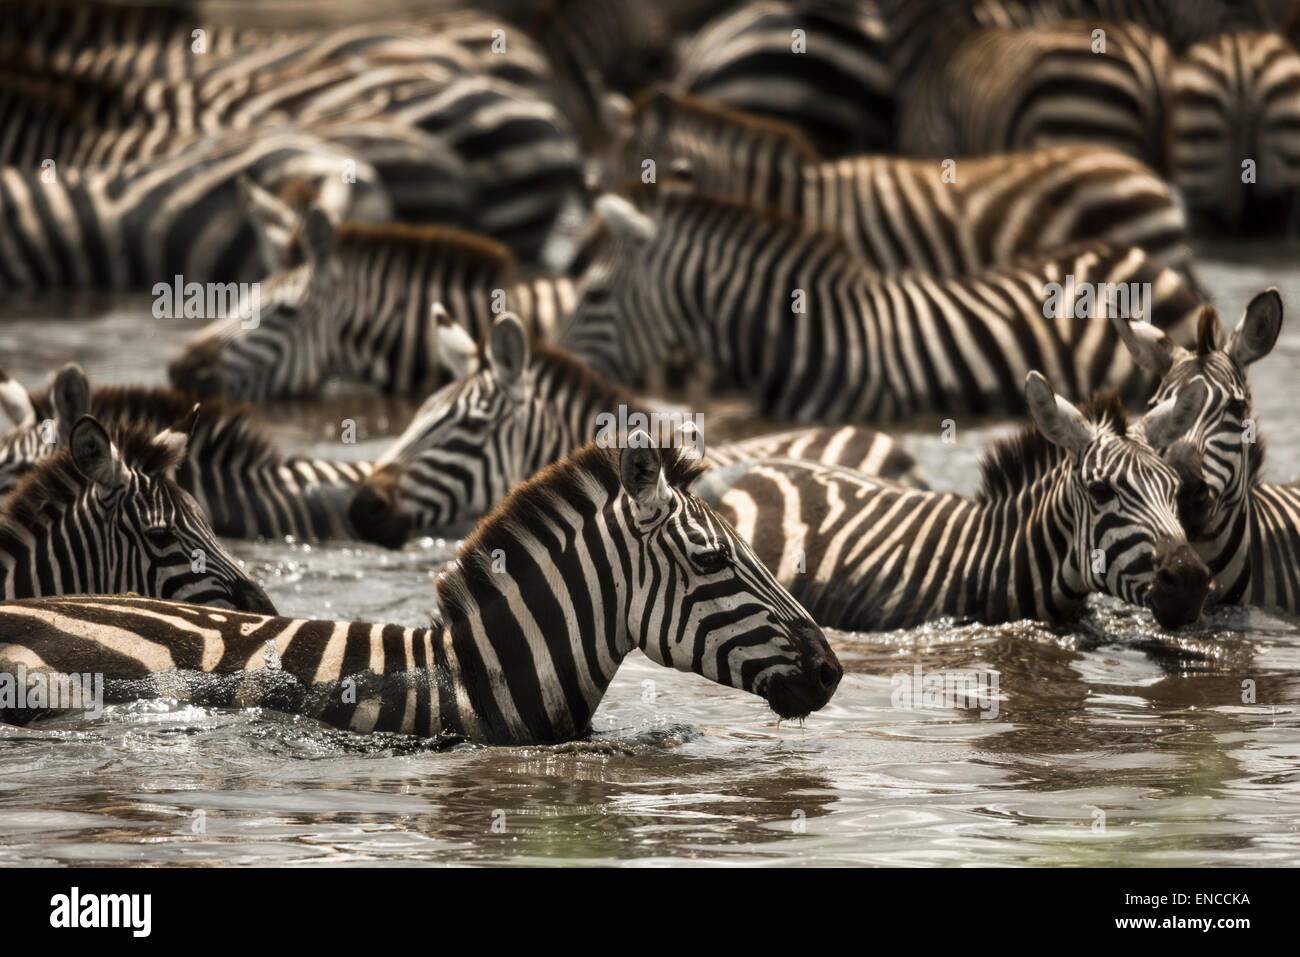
1108, 742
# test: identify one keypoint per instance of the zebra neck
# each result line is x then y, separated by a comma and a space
533, 634
573, 410
1021, 560
1272, 576
66, 551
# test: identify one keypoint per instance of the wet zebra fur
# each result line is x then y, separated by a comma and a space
724, 282
1079, 504
900, 213
603, 553
105, 516
362, 307
517, 407
1245, 529
243, 484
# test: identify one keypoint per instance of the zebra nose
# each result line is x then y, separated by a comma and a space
375, 518
820, 666
1181, 585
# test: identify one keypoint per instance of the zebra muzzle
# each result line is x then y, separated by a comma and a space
1181, 584
374, 513
799, 693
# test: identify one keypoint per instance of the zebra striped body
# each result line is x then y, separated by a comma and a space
1009, 89
604, 553
1247, 531
902, 213
521, 406
242, 483
791, 317
105, 516
837, 87
141, 225
1236, 97
1049, 526
361, 308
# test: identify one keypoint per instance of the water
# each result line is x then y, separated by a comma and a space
1113, 742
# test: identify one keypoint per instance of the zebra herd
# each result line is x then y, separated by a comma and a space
539, 216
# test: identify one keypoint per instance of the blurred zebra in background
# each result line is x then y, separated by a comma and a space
608, 551
793, 319
899, 213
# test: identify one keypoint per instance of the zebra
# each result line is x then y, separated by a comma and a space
105, 516
366, 304
605, 552
241, 482
519, 406
822, 66
1008, 89
1246, 530
142, 225
791, 317
1081, 503
907, 213
1235, 137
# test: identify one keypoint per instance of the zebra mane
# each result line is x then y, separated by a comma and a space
358, 242
664, 104
55, 483
565, 372
153, 409
589, 475
1010, 465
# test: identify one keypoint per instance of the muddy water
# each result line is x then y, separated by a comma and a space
1112, 743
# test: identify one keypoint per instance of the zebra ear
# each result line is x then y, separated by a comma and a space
177, 437
456, 349
1057, 419
318, 235
691, 442
71, 398
641, 471
1153, 351
94, 454
273, 220
1256, 334
507, 351
1168, 421
624, 220
15, 403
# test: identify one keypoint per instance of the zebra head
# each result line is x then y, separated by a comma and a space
1218, 457
283, 351
698, 598
1119, 501
109, 517
467, 445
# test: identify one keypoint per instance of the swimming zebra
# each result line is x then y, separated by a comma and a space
1010, 89
792, 318
242, 483
902, 213
1246, 530
105, 516
141, 225
1236, 99
361, 307
1079, 504
602, 553
821, 66
521, 405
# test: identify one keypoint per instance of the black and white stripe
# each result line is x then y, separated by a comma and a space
521, 406
1082, 504
602, 554
105, 516
727, 283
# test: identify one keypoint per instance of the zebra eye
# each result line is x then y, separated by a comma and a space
1237, 407
711, 562
158, 534
1100, 492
